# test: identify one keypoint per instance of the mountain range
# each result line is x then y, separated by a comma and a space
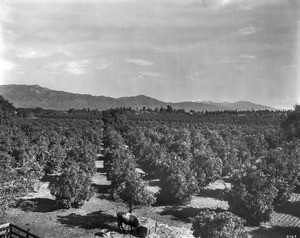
31, 96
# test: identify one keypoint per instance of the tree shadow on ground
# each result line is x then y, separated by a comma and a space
49, 177
276, 232
153, 182
94, 220
291, 208
213, 193
182, 213
37, 205
103, 191
101, 170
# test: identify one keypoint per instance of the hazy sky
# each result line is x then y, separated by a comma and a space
173, 50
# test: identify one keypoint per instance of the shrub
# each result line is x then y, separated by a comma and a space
210, 224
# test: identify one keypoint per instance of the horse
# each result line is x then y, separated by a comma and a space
128, 219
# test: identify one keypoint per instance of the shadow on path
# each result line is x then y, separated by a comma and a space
276, 232
101, 170
182, 213
213, 193
291, 208
38, 205
49, 177
94, 220
102, 191
101, 188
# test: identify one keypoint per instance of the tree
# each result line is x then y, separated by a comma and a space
55, 154
7, 111
12, 184
133, 191
181, 144
210, 224
151, 158
217, 144
252, 196
126, 184
178, 182
17, 179
72, 187
237, 157
207, 166
84, 156
282, 165
169, 109
291, 124
256, 144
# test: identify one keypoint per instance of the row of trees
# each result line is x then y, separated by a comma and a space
258, 160
31, 149
126, 183
256, 190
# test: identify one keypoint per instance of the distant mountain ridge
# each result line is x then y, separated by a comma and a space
31, 96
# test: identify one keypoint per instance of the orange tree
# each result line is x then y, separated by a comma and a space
252, 196
177, 182
211, 224
73, 186
126, 184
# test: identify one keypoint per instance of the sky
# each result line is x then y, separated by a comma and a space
172, 50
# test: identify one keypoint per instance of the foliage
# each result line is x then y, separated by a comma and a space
180, 144
15, 181
55, 155
19, 165
206, 165
178, 182
126, 184
282, 165
7, 111
84, 156
210, 224
72, 187
133, 191
252, 196
291, 124
184, 151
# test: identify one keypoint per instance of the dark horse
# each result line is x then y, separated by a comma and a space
128, 219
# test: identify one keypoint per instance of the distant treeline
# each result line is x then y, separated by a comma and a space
168, 114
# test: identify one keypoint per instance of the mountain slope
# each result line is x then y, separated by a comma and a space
35, 96
31, 96
244, 105
240, 105
141, 101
